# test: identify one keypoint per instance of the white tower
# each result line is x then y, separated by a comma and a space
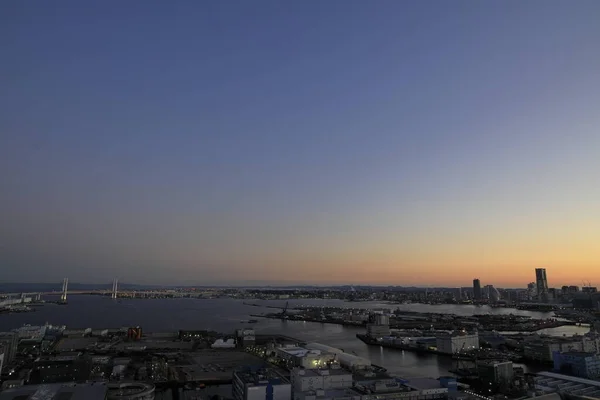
63, 296
115, 288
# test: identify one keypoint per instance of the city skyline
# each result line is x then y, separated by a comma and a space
311, 142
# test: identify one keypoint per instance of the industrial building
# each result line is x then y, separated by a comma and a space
543, 349
379, 326
305, 358
304, 380
550, 382
457, 342
500, 373
346, 360
260, 385
580, 364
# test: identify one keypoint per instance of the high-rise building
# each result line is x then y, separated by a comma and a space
492, 293
476, 289
531, 291
542, 284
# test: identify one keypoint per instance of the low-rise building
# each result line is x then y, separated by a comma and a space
305, 358
347, 360
260, 385
550, 382
457, 342
543, 349
581, 364
304, 380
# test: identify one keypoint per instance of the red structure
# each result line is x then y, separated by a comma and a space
134, 333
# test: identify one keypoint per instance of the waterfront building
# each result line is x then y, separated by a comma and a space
457, 342
304, 380
305, 358
543, 349
581, 364
264, 384
498, 373
551, 382
476, 289
541, 284
245, 337
379, 326
349, 361
80, 391
492, 293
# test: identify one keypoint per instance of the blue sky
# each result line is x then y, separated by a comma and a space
301, 141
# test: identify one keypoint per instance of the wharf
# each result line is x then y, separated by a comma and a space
421, 350
522, 324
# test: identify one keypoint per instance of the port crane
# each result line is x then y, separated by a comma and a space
283, 314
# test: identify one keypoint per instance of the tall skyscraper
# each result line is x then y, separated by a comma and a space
541, 284
476, 289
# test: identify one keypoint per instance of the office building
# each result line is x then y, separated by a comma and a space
581, 364
476, 289
498, 373
541, 283
492, 293
264, 384
457, 342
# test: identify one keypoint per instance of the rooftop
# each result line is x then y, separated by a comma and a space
578, 354
74, 343
295, 351
423, 383
321, 372
332, 393
93, 391
261, 377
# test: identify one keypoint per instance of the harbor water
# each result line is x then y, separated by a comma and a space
226, 315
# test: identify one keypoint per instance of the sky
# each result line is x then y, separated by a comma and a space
285, 142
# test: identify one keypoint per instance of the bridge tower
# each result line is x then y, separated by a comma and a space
115, 288
63, 296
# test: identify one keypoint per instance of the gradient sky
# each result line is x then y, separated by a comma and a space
339, 141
